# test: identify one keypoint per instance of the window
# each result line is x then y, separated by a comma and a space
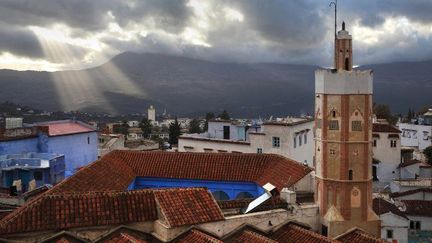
226, 132
415, 225
356, 126
37, 175
375, 143
389, 234
334, 125
295, 141
88, 140
374, 173
305, 138
350, 175
334, 113
276, 142
259, 150
393, 143
220, 195
332, 152
300, 140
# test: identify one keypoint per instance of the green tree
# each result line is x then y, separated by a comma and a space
209, 116
382, 111
224, 115
174, 132
428, 153
123, 129
194, 126
146, 127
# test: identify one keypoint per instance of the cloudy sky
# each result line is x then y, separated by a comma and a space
72, 34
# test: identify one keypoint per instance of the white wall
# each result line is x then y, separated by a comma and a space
390, 157
199, 145
301, 153
413, 135
426, 222
399, 225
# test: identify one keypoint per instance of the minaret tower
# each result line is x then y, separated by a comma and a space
343, 148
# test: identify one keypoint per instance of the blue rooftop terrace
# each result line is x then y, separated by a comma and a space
221, 190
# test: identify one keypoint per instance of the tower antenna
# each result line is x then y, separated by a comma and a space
335, 33
335, 15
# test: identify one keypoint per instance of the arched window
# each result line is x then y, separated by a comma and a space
334, 113
350, 175
243, 195
220, 195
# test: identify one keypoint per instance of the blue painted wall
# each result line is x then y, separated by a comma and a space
19, 146
78, 152
231, 188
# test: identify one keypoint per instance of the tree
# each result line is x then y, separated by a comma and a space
382, 111
194, 126
174, 132
410, 115
209, 116
224, 115
428, 153
123, 128
146, 127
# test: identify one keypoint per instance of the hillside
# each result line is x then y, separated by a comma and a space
130, 82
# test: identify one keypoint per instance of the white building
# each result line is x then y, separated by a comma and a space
386, 153
419, 133
13, 122
394, 223
151, 113
292, 138
133, 123
134, 133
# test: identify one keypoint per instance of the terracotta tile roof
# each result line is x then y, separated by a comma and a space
196, 236
66, 127
358, 236
381, 206
186, 206
418, 208
64, 237
409, 162
62, 211
126, 234
410, 192
116, 170
251, 236
292, 232
386, 128
242, 203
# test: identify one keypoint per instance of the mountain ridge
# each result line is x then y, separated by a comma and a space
130, 82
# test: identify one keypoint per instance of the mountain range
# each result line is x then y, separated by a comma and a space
130, 82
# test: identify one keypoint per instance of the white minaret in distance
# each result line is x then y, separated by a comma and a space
151, 113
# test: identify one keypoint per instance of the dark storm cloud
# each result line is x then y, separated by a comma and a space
297, 31
22, 42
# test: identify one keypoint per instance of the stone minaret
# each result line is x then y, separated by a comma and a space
343, 145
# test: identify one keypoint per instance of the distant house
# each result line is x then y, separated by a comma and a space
43, 168
292, 138
394, 223
76, 140
419, 133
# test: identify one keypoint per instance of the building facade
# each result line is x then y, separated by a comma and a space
343, 150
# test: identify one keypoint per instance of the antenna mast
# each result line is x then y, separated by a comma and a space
335, 30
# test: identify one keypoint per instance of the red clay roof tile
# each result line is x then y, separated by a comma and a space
292, 232
186, 206
196, 236
358, 236
381, 206
418, 207
251, 236
385, 128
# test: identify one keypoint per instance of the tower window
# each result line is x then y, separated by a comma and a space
334, 125
334, 113
374, 142
356, 126
350, 175
346, 64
